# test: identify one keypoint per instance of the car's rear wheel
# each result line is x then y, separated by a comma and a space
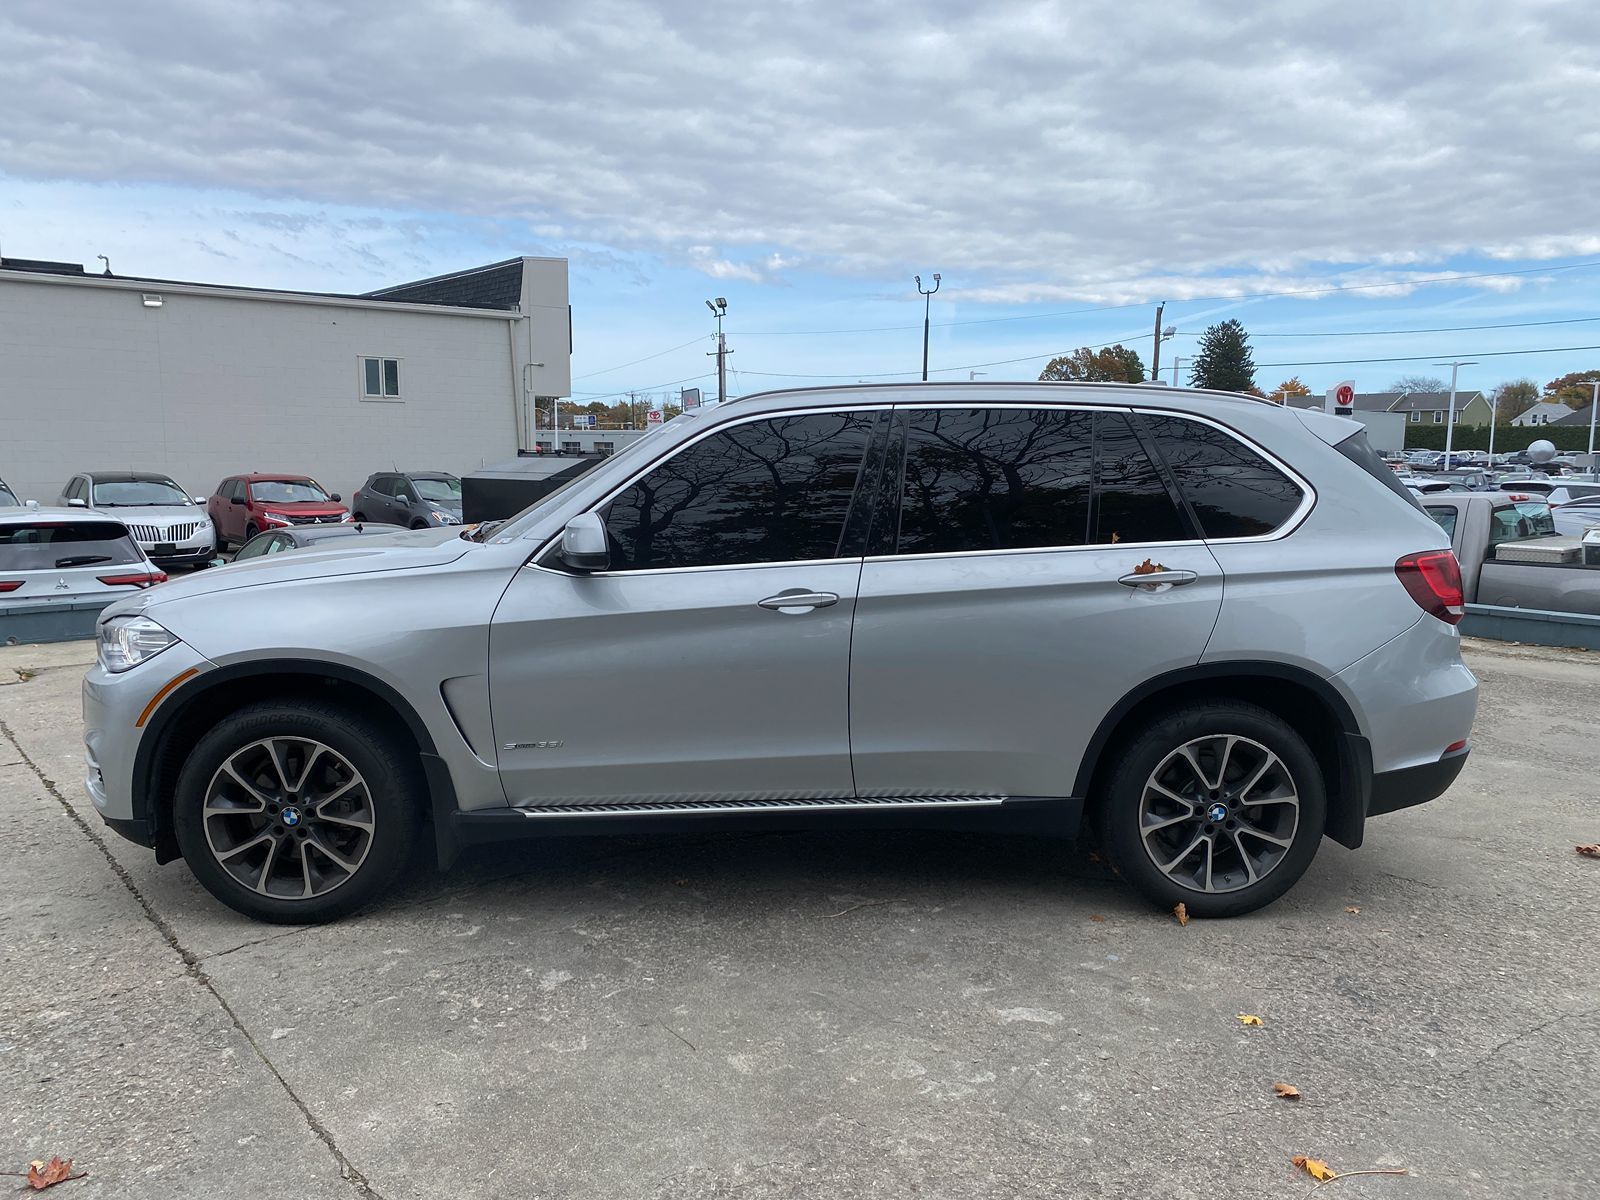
250, 531
1218, 805
296, 812
419, 525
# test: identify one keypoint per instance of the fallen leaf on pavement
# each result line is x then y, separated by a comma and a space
1588, 851
47, 1174
1287, 1090
1181, 911
1352, 909
1096, 917
1250, 1019
1314, 1167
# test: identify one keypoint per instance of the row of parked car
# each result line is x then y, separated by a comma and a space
119, 531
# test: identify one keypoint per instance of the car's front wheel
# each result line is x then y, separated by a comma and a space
296, 812
1218, 805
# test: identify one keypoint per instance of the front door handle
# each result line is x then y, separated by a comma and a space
1157, 581
797, 601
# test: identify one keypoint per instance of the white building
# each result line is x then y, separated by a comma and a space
1545, 412
108, 372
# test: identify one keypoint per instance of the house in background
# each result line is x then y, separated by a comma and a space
1576, 416
1418, 408
1545, 412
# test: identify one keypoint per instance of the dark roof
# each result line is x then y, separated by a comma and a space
1433, 401
498, 285
1578, 416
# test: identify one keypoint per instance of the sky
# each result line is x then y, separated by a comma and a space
1409, 183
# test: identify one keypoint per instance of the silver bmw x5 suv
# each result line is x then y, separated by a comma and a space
1205, 629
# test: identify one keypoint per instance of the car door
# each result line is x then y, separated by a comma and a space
1039, 569
709, 662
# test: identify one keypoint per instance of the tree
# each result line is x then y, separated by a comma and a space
1113, 364
1419, 383
1289, 387
1571, 390
1224, 361
1514, 398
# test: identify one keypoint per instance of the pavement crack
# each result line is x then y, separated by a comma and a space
1523, 1036
191, 962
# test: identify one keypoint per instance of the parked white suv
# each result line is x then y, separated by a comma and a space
170, 525
1210, 629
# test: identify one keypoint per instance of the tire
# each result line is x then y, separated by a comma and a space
261, 857
1154, 807
250, 531
358, 518
420, 525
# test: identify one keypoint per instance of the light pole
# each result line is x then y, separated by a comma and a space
1494, 418
1594, 407
971, 375
1450, 417
719, 309
1177, 361
927, 308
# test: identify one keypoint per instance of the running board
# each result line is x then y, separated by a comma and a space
543, 812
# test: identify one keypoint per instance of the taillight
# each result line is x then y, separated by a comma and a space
10, 585
1433, 578
143, 579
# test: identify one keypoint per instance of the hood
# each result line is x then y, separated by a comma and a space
153, 514
358, 554
303, 507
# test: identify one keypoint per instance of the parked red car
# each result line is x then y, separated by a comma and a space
245, 505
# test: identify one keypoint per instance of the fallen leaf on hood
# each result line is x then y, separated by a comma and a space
43, 1174
1314, 1167
1588, 851
1352, 909
1287, 1090
1181, 911
1250, 1019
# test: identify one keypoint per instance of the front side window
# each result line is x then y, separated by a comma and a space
287, 491
777, 490
380, 378
1233, 490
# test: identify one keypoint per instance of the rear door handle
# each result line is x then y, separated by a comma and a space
1157, 581
797, 601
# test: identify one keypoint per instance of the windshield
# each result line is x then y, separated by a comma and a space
7, 496
53, 545
1520, 522
287, 491
440, 491
136, 493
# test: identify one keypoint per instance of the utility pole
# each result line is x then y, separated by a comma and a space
1450, 417
1594, 407
719, 309
1494, 418
927, 306
1177, 361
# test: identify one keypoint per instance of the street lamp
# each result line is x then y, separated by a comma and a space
927, 305
1594, 406
1177, 361
971, 375
719, 309
1450, 417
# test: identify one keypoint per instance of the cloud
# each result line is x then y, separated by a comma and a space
1026, 150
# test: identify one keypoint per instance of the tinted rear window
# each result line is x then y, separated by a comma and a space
1359, 451
1521, 522
46, 546
1233, 490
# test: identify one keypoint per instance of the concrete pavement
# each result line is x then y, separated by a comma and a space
876, 1015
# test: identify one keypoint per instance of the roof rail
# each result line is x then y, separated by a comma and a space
1001, 383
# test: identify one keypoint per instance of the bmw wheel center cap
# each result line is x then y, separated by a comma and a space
1217, 812
291, 817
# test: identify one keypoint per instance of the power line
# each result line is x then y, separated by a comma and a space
637, 361
590, 397
1338, 333
1340, 362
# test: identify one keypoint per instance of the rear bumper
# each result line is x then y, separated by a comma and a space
1410, 786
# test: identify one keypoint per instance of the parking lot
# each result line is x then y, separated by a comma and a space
876, 1014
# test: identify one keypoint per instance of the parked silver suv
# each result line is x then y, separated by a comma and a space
1208, 628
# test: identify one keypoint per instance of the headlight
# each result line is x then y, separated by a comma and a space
346, 517
275, 518
445, 518
125, 642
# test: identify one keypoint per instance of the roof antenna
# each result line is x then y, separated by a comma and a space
107, 262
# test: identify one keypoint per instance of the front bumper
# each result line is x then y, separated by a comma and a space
116, 711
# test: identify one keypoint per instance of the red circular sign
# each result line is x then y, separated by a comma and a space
1344, 395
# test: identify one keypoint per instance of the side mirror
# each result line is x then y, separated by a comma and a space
239, 500
336, 498
31, 503
584, 546
77, 503
198, 499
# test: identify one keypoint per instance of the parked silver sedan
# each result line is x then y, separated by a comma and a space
170, 525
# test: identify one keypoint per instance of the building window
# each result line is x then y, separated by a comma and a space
1416, 418
1438, 417
572, 447
380, 378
